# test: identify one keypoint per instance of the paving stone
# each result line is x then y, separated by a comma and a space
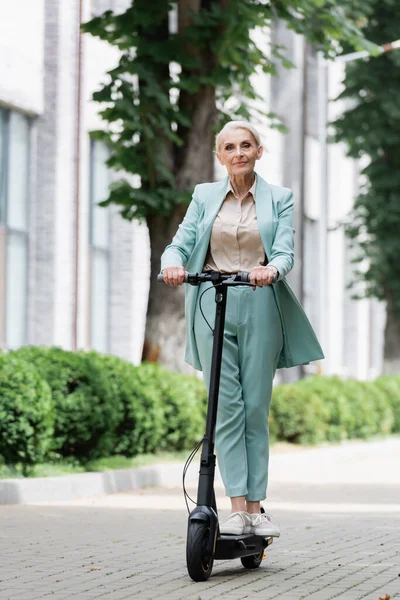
118, 547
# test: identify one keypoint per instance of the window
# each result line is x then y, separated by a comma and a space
14, 218
100, 248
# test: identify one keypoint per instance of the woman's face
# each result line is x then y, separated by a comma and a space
238, 152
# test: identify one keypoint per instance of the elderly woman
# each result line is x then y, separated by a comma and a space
242, 224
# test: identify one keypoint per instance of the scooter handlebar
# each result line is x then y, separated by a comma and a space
197, 278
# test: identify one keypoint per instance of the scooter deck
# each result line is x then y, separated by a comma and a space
235, 546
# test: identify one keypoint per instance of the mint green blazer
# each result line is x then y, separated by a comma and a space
274, 208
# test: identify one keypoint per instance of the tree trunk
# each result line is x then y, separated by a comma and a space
165, 322
391, 355
192, 163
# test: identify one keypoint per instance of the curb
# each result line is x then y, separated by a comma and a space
71, 487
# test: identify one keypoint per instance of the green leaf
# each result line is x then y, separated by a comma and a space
150, 98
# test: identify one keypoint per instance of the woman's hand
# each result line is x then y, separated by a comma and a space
173, 275
261, 276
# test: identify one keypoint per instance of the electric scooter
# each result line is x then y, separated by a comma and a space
204, 542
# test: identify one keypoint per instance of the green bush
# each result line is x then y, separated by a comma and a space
100, 405
26, 413
163, 410
142, 423
390, 386
331, 392
356, 409
367, 409
383, 410
87, 410
297, 416
184, 402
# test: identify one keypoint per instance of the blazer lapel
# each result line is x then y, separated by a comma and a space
212, 205
264, 214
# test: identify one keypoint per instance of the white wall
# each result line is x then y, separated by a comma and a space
342, 189
133, 249
97, 57
22, 54
356, 327
66, 124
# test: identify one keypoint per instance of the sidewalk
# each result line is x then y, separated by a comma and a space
339, 510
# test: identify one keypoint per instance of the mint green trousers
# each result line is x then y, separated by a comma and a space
252, 345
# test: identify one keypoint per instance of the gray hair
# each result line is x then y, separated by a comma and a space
233, 125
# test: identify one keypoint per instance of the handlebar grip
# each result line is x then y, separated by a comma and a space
245, 276
161, 278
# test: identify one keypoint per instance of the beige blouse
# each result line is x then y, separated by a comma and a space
235, 243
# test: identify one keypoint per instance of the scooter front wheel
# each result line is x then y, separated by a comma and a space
199, 560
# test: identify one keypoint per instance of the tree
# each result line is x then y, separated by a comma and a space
371, 128
169, 93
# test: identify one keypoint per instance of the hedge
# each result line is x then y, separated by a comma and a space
86, 404
353, 409
391, 388
26, 413
105, 406
296, 416
141, 426
56, 404
184, 401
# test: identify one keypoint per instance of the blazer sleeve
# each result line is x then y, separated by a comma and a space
178, 252
282, 255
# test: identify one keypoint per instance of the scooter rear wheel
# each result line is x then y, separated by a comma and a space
198, 558
253, 561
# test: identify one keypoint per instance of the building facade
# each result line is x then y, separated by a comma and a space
76, 275
325, 183
71, 274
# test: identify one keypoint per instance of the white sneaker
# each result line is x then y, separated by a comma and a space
263, 524
237, 523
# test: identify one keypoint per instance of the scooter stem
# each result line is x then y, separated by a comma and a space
205, 494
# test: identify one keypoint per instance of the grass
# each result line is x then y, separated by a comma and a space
67, 467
